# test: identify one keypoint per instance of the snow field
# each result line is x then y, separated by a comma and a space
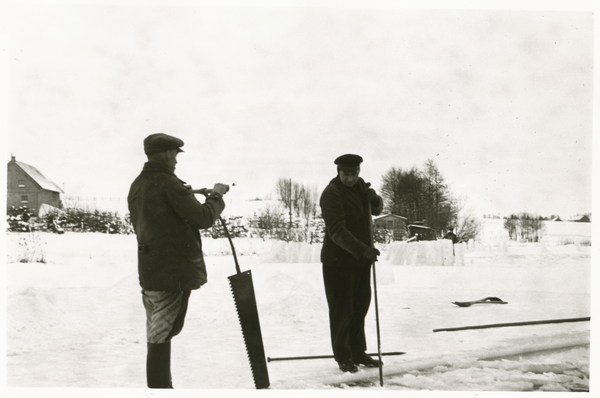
78, 320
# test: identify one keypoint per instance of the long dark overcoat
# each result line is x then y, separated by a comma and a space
346, 223
167, 218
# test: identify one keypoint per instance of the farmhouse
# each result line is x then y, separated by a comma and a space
28, 187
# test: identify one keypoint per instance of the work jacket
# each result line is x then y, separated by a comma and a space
347, 223
166, 218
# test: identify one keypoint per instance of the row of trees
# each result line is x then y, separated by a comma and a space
19, 219
298, 199
524, 226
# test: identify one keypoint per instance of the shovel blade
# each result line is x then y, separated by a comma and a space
245, 304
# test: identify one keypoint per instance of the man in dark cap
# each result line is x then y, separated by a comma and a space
347, 256
167, 217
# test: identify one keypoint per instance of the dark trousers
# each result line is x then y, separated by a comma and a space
348, 291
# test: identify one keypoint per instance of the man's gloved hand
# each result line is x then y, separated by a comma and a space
221, 188
372, 197
371, 254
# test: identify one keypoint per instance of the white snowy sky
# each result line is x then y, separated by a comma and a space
500, 100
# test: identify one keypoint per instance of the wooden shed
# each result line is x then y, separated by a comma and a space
28, 187
391, 222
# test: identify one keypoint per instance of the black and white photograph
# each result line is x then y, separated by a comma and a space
329, 197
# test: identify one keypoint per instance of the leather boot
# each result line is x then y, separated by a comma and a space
158, 365
364, 359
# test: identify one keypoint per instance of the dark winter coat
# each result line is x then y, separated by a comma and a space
347, 235
167, 218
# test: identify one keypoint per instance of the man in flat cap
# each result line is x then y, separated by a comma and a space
347, 256
167, 217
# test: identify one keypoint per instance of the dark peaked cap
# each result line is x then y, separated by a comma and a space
160, 143
348, 161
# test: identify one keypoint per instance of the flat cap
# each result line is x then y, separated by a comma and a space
160, 142
348, 161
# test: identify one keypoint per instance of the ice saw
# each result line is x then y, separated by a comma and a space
245, 304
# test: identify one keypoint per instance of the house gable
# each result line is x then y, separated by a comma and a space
28, 187
40, 179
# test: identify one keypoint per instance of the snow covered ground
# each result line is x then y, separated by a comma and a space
77, 320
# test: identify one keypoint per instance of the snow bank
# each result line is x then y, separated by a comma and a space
439, 252
292, 252
555, 233
243, 246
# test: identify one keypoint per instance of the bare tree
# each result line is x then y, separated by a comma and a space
308, 203
526, 226
466, 224
298, 199
284, 190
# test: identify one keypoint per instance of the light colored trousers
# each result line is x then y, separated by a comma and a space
165, 314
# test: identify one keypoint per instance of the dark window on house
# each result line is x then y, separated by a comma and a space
21, 183
24, 199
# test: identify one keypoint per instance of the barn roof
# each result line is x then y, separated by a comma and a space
43, 181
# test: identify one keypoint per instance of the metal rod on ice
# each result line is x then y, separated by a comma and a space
269, 359
501, 325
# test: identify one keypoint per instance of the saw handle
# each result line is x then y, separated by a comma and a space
206, 192
237, 265
202, 191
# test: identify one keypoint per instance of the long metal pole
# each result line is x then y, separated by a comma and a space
502, 325
375, 296
269, 359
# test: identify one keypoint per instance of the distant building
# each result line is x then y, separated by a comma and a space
28, 187
420, 232
391, 222
580, 219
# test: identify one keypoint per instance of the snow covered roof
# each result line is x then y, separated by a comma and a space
388, 215
43, 181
